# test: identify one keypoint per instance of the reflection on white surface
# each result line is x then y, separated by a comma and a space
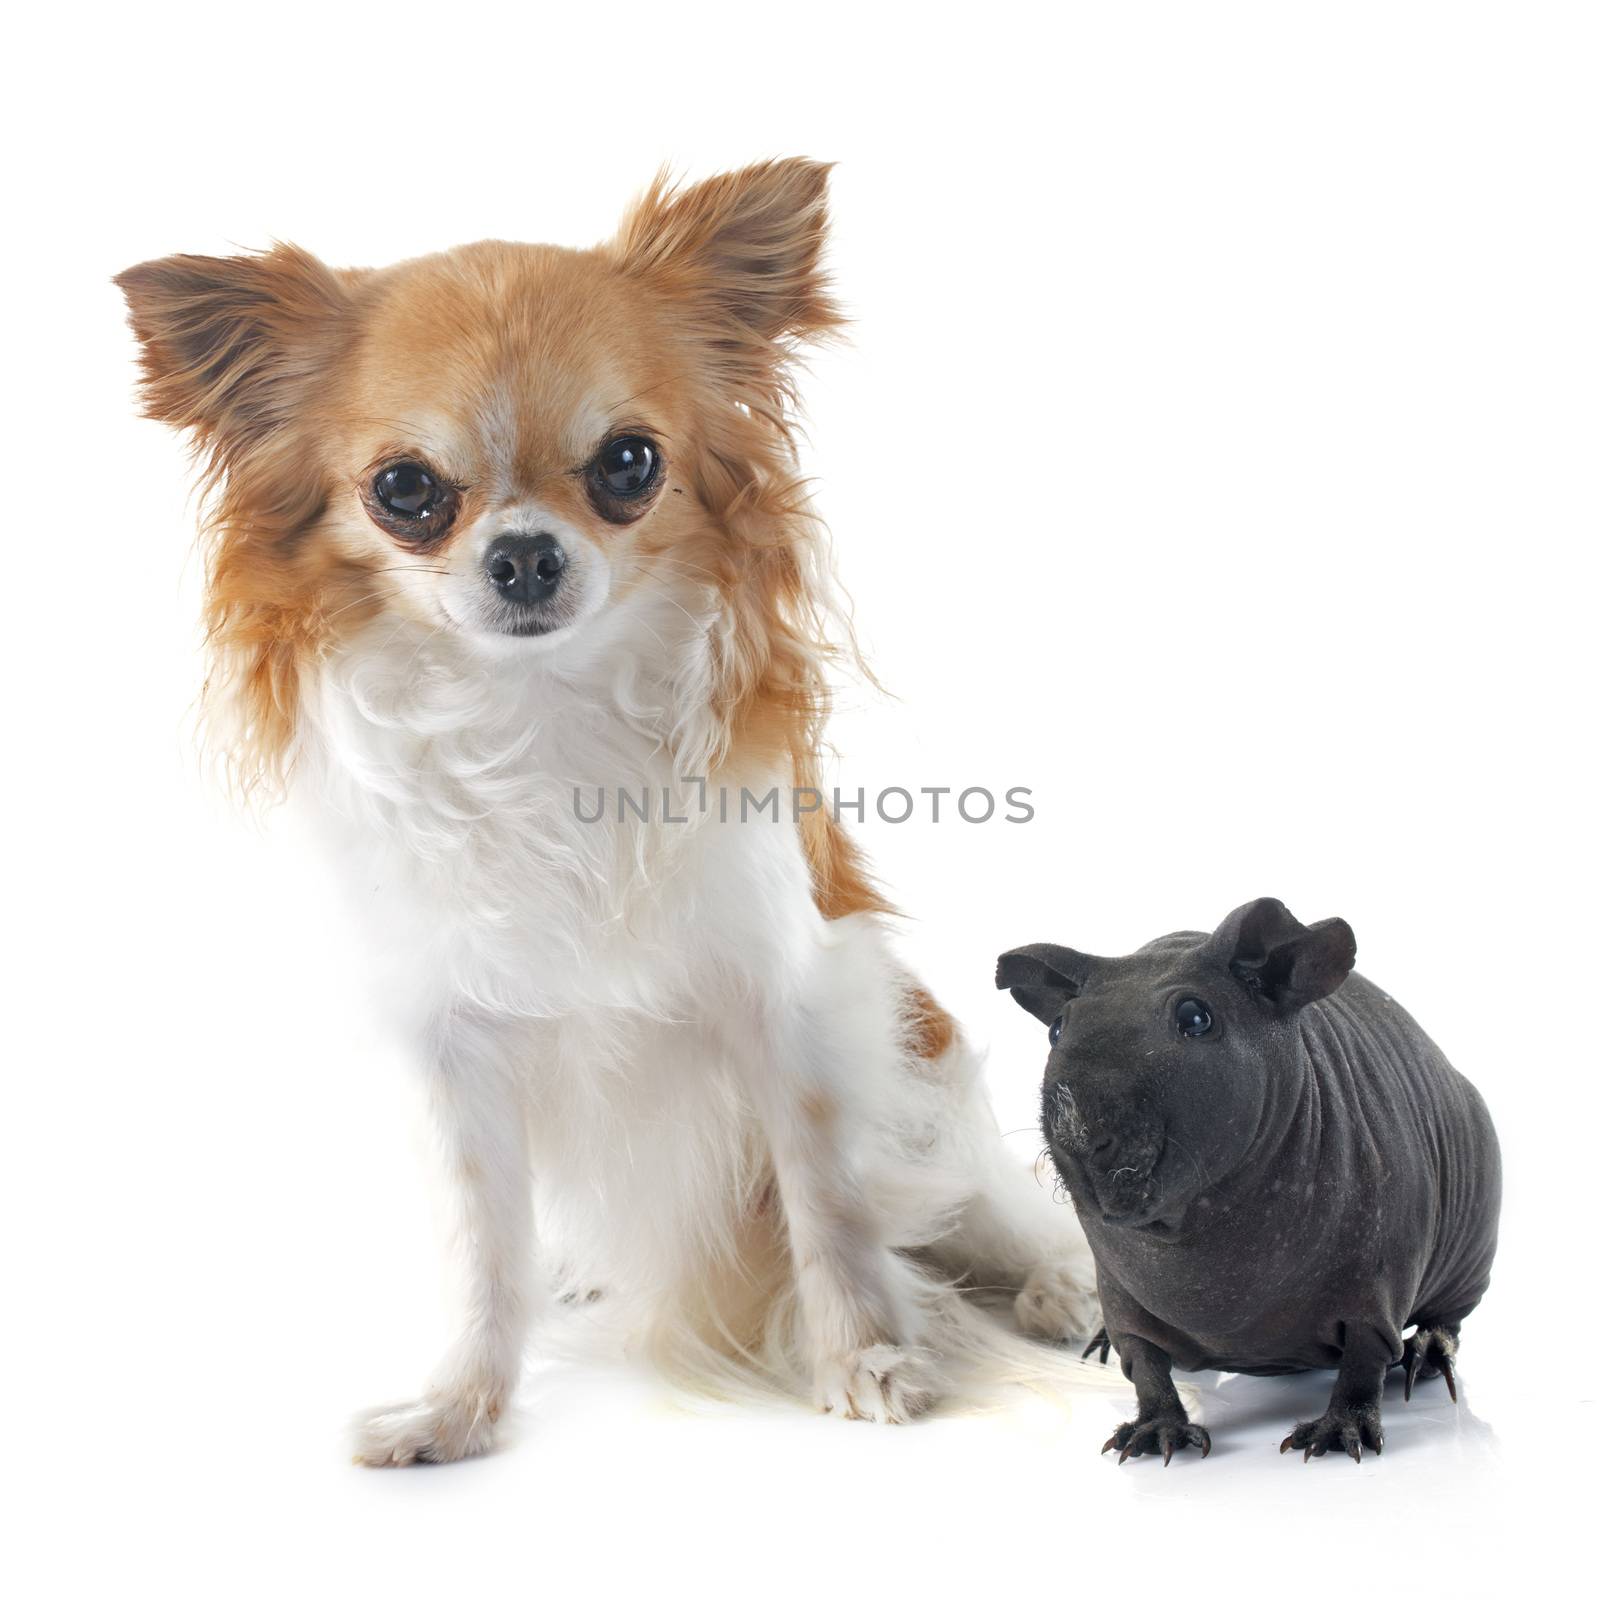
1246, 1413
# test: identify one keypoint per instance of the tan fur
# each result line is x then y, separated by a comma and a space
239, 352
930, 1029
295, 380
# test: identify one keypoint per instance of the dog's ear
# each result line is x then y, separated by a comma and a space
232, 346
1280, 960
742, 251
1043, 977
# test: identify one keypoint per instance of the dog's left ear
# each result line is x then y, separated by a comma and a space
741, 253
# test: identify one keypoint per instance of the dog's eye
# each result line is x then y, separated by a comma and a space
1192, 1018
406, 489
410, 502
626, 467
1055, 1029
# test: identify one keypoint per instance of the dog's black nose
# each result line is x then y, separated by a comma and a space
525, 568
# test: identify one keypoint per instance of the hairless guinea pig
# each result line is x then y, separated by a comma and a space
1276, 1167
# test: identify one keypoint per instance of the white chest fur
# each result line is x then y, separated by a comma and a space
462, 795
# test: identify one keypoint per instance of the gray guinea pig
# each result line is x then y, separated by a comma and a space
1277, 1169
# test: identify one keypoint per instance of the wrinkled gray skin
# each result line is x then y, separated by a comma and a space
1289, 1188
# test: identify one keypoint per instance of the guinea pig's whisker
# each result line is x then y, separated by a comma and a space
1199, 1165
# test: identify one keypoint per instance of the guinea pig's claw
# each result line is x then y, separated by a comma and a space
1100, 1342
1342, 1430
1431, 1353
1164, 1435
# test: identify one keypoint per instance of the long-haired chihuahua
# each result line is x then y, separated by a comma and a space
498, 542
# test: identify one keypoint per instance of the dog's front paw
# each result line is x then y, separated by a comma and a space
1057, 1302
446, 1426
883, 1383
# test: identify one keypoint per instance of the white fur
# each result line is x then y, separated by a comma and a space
655, 1021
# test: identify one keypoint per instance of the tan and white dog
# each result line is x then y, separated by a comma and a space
513, 523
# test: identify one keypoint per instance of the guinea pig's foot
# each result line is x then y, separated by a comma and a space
1346, 1428
1102, 1343
1431, 1353
1164, 1433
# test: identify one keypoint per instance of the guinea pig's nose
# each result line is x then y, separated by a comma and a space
1101, 1151
525, 568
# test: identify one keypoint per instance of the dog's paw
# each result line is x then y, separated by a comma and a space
1057, 1302
883, 1383
443, 1427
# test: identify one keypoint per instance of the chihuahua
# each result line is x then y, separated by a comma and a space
503, 527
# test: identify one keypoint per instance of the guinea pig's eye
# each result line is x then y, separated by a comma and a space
1055, 1029
626, 467
1192, 1018
410, 500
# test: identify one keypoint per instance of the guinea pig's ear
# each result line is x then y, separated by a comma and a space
1281, 960
1042, 977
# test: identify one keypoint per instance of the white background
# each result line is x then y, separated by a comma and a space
1215, 455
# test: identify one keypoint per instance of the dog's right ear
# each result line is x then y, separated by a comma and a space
233, 346
1042, 977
